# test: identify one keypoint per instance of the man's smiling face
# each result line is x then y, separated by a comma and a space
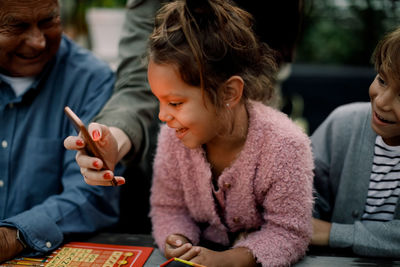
30, 35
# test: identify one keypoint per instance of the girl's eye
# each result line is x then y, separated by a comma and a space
381, 81
175, 104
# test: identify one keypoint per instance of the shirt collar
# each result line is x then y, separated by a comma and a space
18, 84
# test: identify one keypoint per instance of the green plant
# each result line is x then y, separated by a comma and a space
345, 33
73, 15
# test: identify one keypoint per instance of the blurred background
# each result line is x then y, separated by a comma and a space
331, 64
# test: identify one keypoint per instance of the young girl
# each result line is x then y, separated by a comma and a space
229, 171
357, 163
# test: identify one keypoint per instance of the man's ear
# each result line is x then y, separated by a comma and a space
233, 90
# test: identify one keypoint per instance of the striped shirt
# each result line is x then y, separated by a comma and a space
384, 186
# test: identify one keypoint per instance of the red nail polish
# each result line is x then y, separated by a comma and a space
95, 164
107, 176
79, 143
96, 135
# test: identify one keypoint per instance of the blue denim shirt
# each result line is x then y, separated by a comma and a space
42, 191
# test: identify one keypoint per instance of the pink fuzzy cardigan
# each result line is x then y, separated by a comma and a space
267, 191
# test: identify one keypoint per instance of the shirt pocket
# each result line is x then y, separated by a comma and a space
41, 168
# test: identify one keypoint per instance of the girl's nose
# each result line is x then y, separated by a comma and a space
164, 116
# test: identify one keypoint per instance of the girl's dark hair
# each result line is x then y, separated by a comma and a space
210, 41
386, 56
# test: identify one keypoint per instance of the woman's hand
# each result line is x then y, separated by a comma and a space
112, 144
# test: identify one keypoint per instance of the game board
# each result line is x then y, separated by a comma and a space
82, 254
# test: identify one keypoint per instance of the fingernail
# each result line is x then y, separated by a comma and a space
79, 142
107, 176
95, 164
120, 182
96, 135
178, 242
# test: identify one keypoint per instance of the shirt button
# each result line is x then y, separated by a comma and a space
4, 144
48, 244
1, 183
227, 185
236, 219
11, 105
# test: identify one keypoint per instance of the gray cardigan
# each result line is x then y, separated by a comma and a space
343, 148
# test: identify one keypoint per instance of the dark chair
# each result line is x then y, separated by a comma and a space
316, 90
135, 194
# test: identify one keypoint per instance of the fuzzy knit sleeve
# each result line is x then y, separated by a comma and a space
285, 190
169, 214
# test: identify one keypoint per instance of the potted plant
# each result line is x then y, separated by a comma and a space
95, 24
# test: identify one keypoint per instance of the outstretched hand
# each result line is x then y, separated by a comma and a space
92, 167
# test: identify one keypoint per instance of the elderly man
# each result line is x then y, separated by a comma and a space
42, 194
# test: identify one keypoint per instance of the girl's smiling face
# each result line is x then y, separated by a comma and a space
385, 101
183, 106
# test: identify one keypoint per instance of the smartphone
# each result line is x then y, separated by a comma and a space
91, 147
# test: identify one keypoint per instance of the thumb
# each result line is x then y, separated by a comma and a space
175, 240
97, 131
101, 134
